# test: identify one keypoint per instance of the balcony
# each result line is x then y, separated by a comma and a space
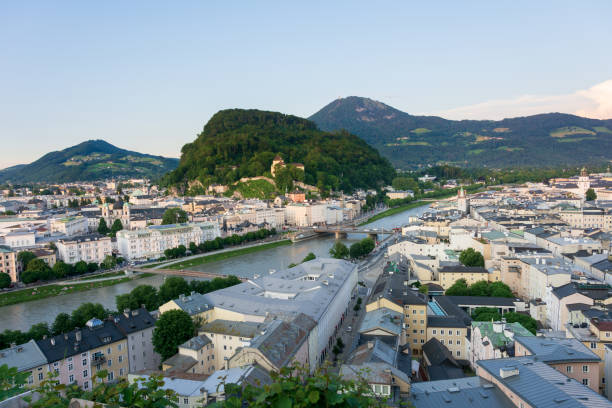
98, 359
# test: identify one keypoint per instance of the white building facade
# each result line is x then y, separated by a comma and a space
151, 242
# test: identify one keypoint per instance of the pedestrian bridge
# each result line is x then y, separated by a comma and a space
342, 231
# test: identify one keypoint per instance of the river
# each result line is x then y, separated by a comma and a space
23, 315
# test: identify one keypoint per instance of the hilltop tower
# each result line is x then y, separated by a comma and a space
277, 161
463, 202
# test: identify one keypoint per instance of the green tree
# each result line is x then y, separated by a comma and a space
62, 324
174, 216
526, 321
92, 267
356, 251
459, 288
24, 257
109, 262
143, 393
38, 331
405, 183
116, 227
87, 311
591, 195
172, 288
12, 382
173, 327
141, 295
486, 314
500, 289
103, 227
424, 289
470, 257
62, 269
480, 288
5, 280
297, 387
81, 267
367, 245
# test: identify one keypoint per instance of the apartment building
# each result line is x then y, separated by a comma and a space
321, 289
195, 356
533, 384
27, 358
595, 335
9, 263
88, 248
78, 355
568, 356
448, 275
587, 218
151, 242
227, 336
69, 226
493, 340
138, 325
393, 293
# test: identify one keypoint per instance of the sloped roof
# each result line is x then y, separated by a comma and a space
555, 350
500, 339
469, 392
542, 386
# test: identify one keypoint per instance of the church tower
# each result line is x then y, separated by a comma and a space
584, 183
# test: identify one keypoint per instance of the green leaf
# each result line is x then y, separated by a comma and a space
283, 402
313, 396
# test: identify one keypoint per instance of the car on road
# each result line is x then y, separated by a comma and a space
349, 329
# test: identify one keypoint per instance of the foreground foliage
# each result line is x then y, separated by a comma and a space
295, 387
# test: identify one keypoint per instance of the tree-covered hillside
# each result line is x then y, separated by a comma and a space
409, 141
90, 160
240, 143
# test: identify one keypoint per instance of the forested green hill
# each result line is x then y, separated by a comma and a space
90, 160
240, 143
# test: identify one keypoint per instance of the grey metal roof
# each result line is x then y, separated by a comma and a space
542, 386
24, 356
374, 352
384, 319
472, 392
66, 345
556, 350
134, 320
232, 328
264, 295
196, 343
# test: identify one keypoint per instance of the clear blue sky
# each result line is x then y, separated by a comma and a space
147, 75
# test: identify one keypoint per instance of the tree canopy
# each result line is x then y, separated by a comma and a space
591, 195
339, 250
173, 328
480, 288
471, 257
174, 216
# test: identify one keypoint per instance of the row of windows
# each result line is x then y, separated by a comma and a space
585, 369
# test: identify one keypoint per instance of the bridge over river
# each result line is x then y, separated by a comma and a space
341, 231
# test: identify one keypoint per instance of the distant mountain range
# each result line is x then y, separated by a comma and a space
90, 160
409, 141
